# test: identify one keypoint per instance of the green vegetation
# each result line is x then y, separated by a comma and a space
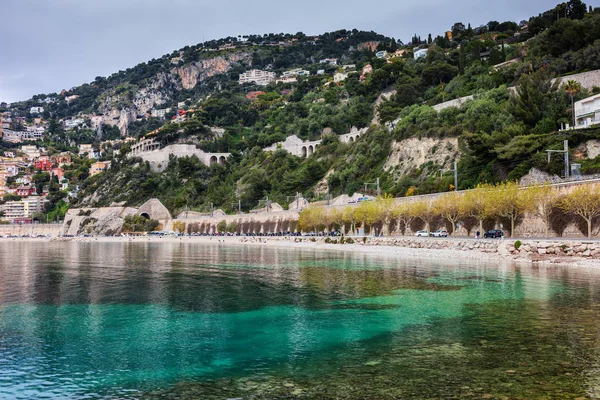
502, 133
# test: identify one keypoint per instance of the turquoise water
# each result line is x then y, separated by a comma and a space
153, 320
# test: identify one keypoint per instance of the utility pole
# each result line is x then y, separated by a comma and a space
566, 154
455, 171
455, 175
376, 184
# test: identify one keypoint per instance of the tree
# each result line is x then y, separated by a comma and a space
545, 198
475, 204
403, 215
583, 201
512, 202
179, 226
423, 210
572, 87
429, 39
457, 29
448, 207
385, 209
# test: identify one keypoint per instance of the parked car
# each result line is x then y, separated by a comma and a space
439, 233
422, 234
493, 234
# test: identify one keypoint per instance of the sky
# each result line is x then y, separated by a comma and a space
50, 45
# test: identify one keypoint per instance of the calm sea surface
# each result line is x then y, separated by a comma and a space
161, 321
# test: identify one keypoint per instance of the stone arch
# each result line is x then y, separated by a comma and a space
351, 139
311, 150
222, 160
154, 209
213, 160
304, 152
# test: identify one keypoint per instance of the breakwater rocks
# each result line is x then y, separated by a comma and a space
555, 250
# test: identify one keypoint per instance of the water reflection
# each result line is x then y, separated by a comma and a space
94, 319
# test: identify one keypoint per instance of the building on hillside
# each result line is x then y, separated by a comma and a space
25, 191
99, 167
256, 76
339, 77
286, 79
295, 72
90, 151
73, 123
63, 159
8, 135
58, 172
587, 112
420, 53
43, 163
400, 53
70, 99
160, 113
217, 132
381, 54
36, 110
321, 72
448, 35
254, 95
33, 132
23, 210
348, 66
10, 169
330, 61
31, 151
367, 69
24, 180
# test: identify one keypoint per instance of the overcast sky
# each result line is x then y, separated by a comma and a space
50, 45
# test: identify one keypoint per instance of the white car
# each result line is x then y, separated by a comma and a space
439, 233
422, 234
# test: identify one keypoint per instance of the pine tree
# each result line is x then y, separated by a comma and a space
429, 40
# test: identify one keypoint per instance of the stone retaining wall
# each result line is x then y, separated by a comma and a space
528, 250
31, 229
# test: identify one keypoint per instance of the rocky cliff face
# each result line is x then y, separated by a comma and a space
410, 154
123, 108
196, 72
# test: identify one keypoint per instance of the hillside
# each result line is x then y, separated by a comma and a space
320, 88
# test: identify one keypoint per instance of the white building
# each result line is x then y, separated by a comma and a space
90, 151
287, 79
160, 113
22, 209
73, 123
36, 110
321, 72
587, 112
420, 53
339, 77
295, 72
330, 61
33, 132
257, 76
381, 54
31, 151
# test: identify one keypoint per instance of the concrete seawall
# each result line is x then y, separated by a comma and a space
31, 229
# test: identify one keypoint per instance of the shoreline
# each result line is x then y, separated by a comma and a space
579, 254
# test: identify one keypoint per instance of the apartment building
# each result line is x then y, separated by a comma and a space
257, 76
23, 209
587, 112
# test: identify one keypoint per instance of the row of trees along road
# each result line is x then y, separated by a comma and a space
505, 201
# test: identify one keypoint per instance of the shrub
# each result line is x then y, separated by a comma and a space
349, 241
518, 244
